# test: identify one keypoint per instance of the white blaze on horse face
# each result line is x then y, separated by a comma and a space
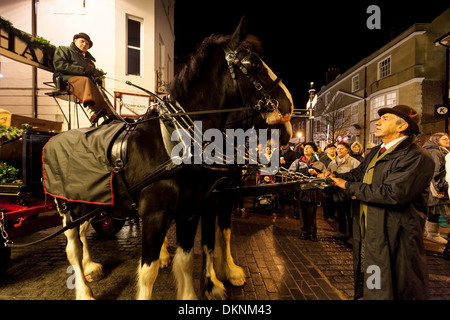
275, 117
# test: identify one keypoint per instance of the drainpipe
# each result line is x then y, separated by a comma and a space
447, 84
365, 108
447, 69
34, 69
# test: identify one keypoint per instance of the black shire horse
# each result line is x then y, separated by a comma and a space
225, 73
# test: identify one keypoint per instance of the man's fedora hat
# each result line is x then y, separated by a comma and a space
85, 37
406, 113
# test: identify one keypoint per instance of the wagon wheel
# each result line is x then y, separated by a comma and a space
108, 227
5, 254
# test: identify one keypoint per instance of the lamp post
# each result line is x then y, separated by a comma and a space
310, 106
299, 136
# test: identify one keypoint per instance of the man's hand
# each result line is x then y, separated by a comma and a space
326, 174
338, 182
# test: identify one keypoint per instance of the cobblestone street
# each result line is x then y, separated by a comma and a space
278, 265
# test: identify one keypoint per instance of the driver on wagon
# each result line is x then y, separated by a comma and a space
75, 65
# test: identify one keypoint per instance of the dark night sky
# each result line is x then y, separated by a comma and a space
301, 39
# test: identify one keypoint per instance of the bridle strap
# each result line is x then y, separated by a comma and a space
266, 102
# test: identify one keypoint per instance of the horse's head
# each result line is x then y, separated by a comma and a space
256, 83
226, 72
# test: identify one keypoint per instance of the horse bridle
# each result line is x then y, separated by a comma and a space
250, 64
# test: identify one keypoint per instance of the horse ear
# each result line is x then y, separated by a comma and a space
239, 34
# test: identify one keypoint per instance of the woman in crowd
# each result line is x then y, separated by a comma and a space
356, 151
329, 210
438, 200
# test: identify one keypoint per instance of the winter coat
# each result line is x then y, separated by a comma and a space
438, 183
302, 165
339, 165
395, 260
343, 165
70, 61
326, 160
447, 171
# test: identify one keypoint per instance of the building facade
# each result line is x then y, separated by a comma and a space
411, 69
133, 41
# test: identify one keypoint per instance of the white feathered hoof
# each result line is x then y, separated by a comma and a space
93, 272
215, 290
236, 276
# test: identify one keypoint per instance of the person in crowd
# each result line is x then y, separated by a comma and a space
329, 210
392, 186
75, 65
446, 253
287, 156
299, 149
330, 154
356, 151
307, 200
342, 200
266, 175
437, 146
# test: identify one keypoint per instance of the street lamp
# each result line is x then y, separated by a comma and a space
299, 136
310, 106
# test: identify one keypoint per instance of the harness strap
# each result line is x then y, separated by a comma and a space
69, 226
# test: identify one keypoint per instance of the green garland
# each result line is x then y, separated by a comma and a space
13, 132
8, 174
33, 42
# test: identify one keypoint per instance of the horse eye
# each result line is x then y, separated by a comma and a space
252, 62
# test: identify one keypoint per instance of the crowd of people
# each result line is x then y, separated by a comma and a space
386, 200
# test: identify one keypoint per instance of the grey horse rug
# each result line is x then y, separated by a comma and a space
76, 164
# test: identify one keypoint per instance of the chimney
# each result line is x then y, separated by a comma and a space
331, 74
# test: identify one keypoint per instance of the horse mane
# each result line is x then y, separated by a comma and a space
192, 70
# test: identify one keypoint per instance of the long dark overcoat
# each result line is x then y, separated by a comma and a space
395, 260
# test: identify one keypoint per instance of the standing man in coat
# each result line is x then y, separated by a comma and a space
75, 65
392, 186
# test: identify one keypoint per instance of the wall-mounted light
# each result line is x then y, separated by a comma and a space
1, 74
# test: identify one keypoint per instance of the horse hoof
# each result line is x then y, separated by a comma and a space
236, 276
217, 292
93, 272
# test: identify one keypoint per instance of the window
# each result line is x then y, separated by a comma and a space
387, 100
391, 99
355, 83
384, 68
327, 98
354, 114
134, 47
376, 104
